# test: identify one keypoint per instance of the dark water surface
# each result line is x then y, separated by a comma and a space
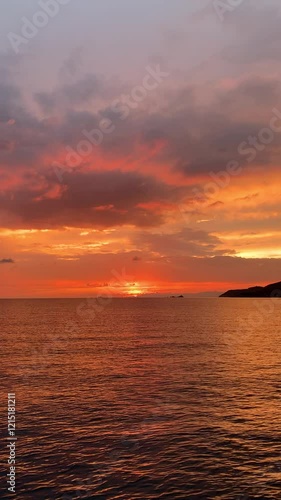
143, 398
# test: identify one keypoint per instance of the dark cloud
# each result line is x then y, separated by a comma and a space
204, 139
198, 135
72, 65
136, 259
7, 261
188, 241
98, 199
77, 93
195, 140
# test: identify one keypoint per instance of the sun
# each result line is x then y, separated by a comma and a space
134, 290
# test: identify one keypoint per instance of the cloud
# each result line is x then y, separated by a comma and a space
187, 242
203, 138
183, 133
87, 199
136, 259
7, 261
256, 31
188, 138
70, 95
72, 65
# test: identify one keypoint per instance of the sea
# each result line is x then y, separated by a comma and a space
141, 398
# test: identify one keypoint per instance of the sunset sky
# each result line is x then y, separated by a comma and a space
140, 147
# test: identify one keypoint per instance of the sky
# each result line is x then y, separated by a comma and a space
140, 146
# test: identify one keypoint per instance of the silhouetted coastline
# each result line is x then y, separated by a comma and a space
272, 290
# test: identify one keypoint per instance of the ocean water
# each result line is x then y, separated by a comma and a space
143, 398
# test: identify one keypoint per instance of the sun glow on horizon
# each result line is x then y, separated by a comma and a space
135, 290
